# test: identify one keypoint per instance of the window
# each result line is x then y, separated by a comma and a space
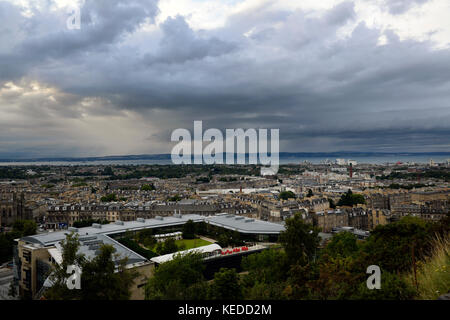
27, 256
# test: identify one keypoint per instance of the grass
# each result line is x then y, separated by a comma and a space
191, 243
433, 274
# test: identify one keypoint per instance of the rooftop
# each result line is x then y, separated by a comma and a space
245, 225
231, 222
211, 248
49, 239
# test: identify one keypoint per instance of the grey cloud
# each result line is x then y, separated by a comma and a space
103, 22
290, 72
180, 44
401, 6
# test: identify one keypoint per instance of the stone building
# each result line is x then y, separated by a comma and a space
12, 208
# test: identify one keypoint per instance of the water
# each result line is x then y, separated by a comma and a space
376, 159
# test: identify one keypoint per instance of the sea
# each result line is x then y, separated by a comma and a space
284, 159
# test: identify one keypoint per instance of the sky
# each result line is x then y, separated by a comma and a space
331, 75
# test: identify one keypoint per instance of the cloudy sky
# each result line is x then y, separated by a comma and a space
362, 75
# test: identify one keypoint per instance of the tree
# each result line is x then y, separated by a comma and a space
59, 276
285, 195
189, 230
21, 228
226, 285
159, 249
174, 198
148, 187
350, 199
200, 228
102, 279
108, 171
170, 246
223, 240
178, 279
338, 277
393, 287
391, 246
342, 244
300, 240
267, 274
332, 204
105, 277
25, 227
109, 198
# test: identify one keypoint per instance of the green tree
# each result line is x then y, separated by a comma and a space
285, 195
159, 249
109, 198
338, 278
108, 171
25, 227
105, 277
300, 240
170, 246
267, 273
393, 287
178, 279
342, 244
59, 276
148, 187
189, 230
226, 285
332, 204
223, 240
351, 199
174, 198
391, 246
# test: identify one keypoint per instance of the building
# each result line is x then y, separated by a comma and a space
378, 217
34, 255
12, 208
329, 219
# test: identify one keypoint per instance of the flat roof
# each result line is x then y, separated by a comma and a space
228, 221
50, 238
90, 248
245, 225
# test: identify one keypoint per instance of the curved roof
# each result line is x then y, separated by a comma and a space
205, 249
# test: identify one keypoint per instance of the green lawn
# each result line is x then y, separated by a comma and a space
192, 243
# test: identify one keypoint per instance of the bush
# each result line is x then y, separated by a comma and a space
433, 274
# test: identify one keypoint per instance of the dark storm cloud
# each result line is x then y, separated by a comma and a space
264, 68
103, 21
180, 44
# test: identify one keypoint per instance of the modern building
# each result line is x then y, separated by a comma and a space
34, 255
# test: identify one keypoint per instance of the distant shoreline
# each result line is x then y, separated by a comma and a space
285, 158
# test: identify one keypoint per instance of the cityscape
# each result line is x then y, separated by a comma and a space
217, 158
226, 213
